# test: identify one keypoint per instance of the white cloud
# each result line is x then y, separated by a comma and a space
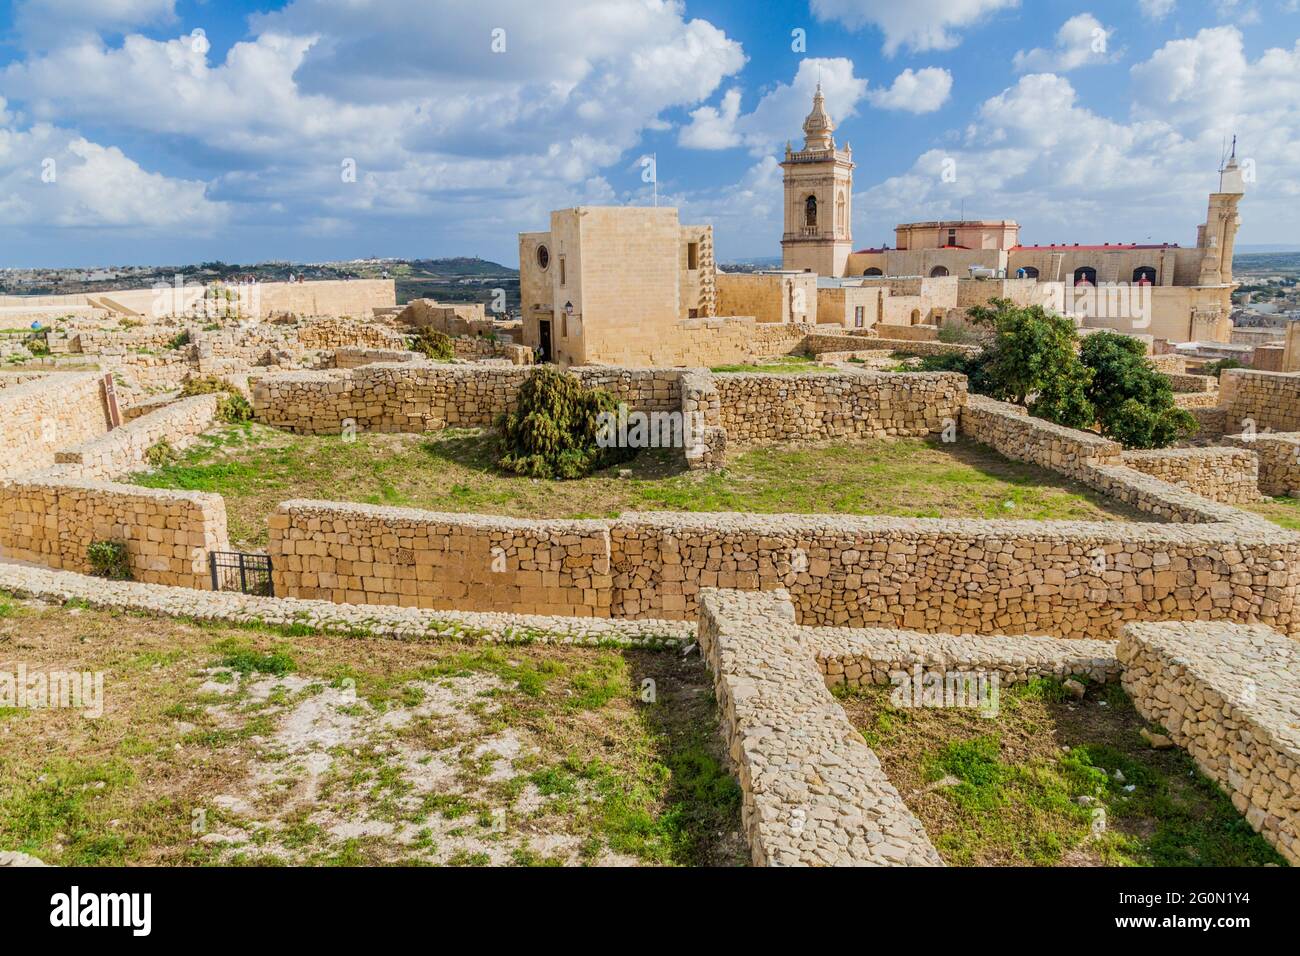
53, 177
713, 127
1157, 9
923, 91
1036, 153
1081, 41
780, 113
917, 24
44, 23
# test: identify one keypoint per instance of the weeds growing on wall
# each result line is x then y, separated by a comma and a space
160, 453
232, 406
552, 433
108, 559
433, 344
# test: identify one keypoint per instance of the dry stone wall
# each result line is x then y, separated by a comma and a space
168, 534
780, 409
1255, 401
1278, 454
44, 414
1228, 695
812, 792
1227, 475
123, 449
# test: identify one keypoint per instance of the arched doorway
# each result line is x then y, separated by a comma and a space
873, 272
1085, 275
916, 317
938, 272
1144, 275
1028, 272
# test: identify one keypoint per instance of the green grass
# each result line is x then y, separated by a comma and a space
1007, 790
255, 468
790, 365
1283, 511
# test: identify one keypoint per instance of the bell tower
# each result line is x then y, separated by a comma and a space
1218, 237
818, 198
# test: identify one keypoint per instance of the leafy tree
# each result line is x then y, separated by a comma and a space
1135, 403
553, 431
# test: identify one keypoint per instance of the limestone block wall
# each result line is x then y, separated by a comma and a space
812, 792
356, 357
778, 409
420, 397
1267, 399
910, 333
1227, 475
1192, 383
1012, 431
1278, 454
44, 414
140, 373
168, 534
123, 449
1228, 695
1065, 579
921, 348
860, 658
359, 554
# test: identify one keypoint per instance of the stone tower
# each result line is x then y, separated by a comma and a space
818, 198
1218, 236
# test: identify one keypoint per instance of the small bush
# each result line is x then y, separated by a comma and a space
180, 341
108, 559
232, 406
433, 344
160, 453
552, 433
1217, 368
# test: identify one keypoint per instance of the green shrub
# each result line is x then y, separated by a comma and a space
553, 431
1135, 403
108, 559
433, 344
180, 340
160, 453
232, 406
1217, 368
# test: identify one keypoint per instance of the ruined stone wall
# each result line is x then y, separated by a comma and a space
782, 729
1226, 475
1228, 695
1269, 400
123, 449
1279, 460
168, 534
427, 397
360, 554
781, 409
1011, 431
44, 414
356, 357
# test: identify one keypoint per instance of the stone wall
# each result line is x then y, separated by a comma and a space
1228, 695
360, 554
42, 415
1227, 475
168, 534
812, 792
420, 397
1269, 400
123, 449
781, 409
1278, 454
1010, 430
356, 357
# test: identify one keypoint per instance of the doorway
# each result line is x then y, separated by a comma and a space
544, 338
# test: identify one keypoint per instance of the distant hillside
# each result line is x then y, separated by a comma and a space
460, 266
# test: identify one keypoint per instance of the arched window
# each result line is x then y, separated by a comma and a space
543, 257
938, 272
1144, 275
1028, 272
1085, 275
873, 271
810, 211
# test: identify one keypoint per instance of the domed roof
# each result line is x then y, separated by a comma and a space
819, 127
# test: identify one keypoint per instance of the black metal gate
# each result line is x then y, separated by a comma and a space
239, 571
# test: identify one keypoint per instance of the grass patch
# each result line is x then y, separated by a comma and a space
1023, 788
255, 468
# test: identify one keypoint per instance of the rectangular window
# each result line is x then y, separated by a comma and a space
859, 316
563, 271
564, 324
692, 255
692, 313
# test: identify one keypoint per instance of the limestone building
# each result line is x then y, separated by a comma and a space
818, 198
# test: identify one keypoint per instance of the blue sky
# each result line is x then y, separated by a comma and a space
128, 137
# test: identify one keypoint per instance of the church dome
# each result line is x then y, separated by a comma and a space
819, 127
